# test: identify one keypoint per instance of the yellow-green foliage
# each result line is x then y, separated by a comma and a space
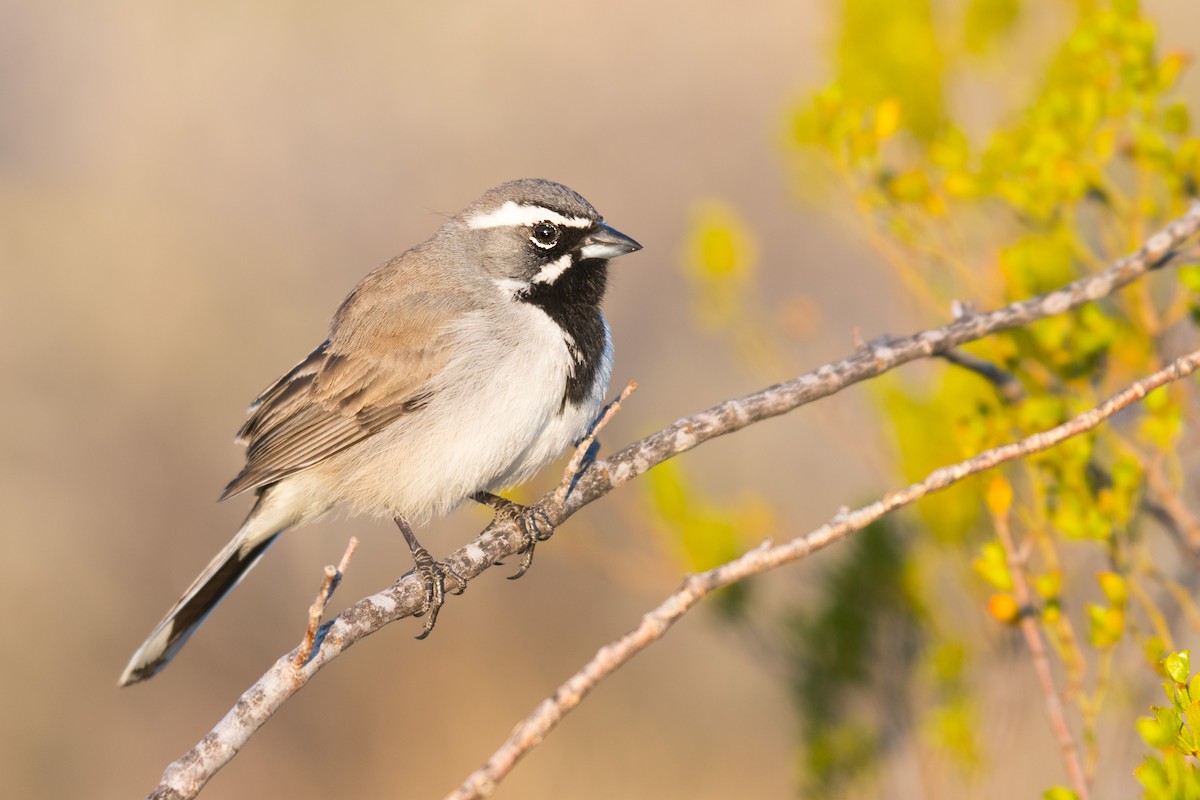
720, 262
1079, 176
704, 534
842, 688
1060, 184
1174, 732
903, 60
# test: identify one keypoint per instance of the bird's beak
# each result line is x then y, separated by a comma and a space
606, 242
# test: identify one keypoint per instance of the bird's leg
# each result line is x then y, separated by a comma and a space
434, 574
533, 523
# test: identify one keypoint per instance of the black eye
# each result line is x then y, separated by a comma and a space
545, 234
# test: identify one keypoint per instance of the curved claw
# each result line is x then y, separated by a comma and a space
535, 527
434, 573
534, 524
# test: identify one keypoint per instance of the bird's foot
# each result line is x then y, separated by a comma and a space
531, 521
435, 574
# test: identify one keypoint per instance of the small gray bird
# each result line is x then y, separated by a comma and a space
454, 370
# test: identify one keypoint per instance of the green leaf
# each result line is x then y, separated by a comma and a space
1168, 720
1178, 666
1188, 736
1176, 119
1153, 733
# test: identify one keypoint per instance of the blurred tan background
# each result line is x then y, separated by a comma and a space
187, 191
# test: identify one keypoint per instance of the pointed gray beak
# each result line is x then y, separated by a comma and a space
606, 242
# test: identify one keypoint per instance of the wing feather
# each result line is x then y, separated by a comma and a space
327, 403
388, 342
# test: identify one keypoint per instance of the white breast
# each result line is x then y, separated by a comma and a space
495, 417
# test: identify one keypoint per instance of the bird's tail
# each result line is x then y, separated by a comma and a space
221, 575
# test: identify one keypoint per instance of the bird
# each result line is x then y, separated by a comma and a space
451, 372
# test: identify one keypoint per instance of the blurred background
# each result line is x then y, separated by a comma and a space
187, 191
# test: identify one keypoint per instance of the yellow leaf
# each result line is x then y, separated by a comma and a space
909, 187
1105, 625
1049, 584
721, 247
961, 185
1170, 68
887, 119
1004, 608
1113, 586
999, 496
992, 566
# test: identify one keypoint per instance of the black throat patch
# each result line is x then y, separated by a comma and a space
573, 301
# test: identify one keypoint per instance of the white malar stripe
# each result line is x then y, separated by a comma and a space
552, 271
513, 214
510, 286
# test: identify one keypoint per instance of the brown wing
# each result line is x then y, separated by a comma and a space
388, 340
326, 403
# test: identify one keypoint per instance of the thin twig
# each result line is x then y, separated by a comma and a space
1172, 510
502, 538
584, 448
1041, 664
1158, 620
655, 624
333, 576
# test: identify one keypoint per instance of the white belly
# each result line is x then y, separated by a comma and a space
492, 421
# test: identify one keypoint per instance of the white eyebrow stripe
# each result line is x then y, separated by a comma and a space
514, 214
552, 271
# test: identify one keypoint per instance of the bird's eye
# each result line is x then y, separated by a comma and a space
544, 235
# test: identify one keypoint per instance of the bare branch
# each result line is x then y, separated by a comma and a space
502, 539
656, 623
333, 576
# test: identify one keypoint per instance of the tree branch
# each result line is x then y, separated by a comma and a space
656, 623
501, 539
